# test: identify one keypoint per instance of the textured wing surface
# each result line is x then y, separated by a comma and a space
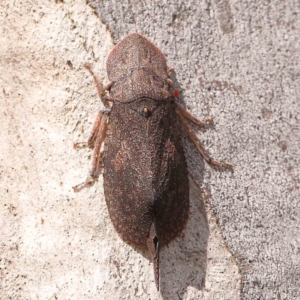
145, 177
127, 175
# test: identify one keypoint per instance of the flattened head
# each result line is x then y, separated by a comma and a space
135, 51
137, 69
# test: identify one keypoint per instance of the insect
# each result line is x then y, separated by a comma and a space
146, 184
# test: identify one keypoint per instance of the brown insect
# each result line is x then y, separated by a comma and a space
145, 175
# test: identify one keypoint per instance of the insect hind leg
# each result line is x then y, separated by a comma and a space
95, 141
182, 116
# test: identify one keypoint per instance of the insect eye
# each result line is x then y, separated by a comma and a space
145, 112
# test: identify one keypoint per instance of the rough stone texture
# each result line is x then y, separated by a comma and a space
235, 61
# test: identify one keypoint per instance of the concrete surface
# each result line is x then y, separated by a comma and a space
237, 62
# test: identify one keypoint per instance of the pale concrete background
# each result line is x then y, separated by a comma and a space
236, 62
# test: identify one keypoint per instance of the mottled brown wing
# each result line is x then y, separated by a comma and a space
127, 175
145, 177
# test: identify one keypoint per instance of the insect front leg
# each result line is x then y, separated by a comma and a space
184, 115
95, 141
99, 86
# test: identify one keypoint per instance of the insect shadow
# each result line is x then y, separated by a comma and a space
184, 261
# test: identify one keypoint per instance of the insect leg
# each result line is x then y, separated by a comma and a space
95, 141
97, 147
100, 89
170, 70
91, 140
197, 143
190, 117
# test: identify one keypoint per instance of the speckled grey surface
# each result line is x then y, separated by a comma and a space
239, 63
